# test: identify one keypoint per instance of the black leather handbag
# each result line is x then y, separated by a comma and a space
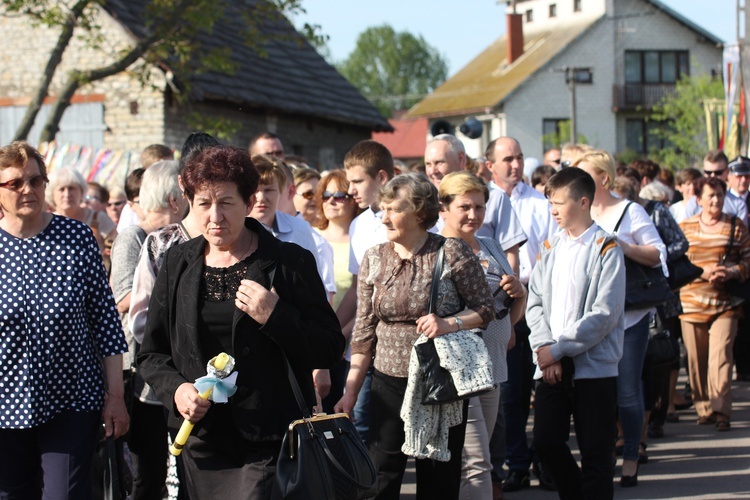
322, 457
682, 272
738, 290
437, 383
662, 348
645, 286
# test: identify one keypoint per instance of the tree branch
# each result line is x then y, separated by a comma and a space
53, 62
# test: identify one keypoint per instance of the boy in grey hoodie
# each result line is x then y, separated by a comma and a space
576, 315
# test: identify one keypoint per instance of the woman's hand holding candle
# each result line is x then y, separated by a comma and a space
190, 404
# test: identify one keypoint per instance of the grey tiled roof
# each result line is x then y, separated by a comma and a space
293, 78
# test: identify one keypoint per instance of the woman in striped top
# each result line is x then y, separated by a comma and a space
709, 321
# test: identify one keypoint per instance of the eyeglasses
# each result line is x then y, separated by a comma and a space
116, 204
93, 198
308, 195
338, 196
714, 173
17, 184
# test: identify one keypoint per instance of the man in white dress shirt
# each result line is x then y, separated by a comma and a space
506, 161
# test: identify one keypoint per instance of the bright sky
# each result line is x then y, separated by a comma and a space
460, 31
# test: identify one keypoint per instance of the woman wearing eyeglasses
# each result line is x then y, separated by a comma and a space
335, 211
59, 327
463, 197
66, 191
305, 182
117, 201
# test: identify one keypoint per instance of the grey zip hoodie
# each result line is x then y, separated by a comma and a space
594, 340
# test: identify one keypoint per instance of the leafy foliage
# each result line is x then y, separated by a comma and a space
393, 70
170, 40
682, 121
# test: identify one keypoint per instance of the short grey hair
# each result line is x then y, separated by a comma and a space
419, 192
65, 177
656, 191
159, 185
455, 144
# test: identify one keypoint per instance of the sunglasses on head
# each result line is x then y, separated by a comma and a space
337, 196
17, 184
308, 195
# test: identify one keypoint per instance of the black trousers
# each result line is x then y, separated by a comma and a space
593, 405
60, 451
148, 450
434, 479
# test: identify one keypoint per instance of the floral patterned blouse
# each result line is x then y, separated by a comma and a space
392, 293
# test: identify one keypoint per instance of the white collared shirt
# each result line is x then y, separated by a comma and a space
365, 231
533, 212
564, 293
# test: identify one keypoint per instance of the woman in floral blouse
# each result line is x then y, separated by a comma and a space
393, 297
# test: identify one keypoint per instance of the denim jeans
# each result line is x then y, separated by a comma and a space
362, 408
629, 387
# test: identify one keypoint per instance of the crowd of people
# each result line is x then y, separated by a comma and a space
117, 298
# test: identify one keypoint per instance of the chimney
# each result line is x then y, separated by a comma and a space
515, 36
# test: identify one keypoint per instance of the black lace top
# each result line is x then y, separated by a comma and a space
221, 283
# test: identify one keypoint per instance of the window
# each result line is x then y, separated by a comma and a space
529, 16
655, 66
576, 5
553, 10
643, 136
555, 131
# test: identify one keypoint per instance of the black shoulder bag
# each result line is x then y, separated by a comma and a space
738, 290
645, 287
681, 270
437, 383
322, 456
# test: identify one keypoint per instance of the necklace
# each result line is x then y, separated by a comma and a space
709, 224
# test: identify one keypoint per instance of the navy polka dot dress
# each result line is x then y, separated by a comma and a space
57, 320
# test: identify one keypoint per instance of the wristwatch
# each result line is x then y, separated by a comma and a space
459, 323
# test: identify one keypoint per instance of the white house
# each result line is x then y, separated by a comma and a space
627, 54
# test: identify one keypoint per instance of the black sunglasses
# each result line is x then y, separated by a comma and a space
17, 184
714, 173
116, 204
507, 301
337, 196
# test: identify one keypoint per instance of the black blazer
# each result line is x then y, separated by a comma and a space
302, 323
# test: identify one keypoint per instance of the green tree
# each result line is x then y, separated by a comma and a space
682, 121
393, 70
171, 29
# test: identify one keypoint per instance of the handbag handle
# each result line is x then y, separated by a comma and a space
622, 216
307, 415
437, 272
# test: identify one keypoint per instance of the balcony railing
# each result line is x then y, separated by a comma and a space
632, 96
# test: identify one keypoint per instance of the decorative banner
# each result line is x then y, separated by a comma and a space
731, 70
105, 166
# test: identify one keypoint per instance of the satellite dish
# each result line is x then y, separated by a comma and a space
471, 128
442, 127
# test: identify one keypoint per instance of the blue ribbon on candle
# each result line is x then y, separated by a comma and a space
223, 388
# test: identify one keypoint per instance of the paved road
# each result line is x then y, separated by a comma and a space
690, 461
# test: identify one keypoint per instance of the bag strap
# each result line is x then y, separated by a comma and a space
437, 272
622, 216
731, 239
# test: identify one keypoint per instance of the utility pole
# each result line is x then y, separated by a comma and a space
570, 77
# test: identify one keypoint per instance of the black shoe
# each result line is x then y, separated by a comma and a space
655, 431
630, 481
545, 481
516, 480
642, 456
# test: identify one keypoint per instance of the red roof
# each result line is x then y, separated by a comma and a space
408, 141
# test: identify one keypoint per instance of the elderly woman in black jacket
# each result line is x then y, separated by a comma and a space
214, 294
